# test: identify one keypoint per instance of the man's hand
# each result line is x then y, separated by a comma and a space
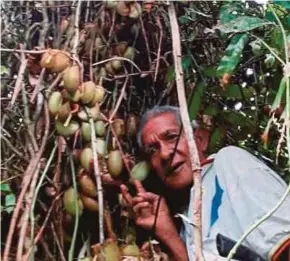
144, 207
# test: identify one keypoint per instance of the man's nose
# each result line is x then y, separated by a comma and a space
165, 152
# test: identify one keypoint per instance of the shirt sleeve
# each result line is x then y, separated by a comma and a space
253, 189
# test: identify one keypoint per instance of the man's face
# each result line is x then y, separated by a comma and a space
159, 136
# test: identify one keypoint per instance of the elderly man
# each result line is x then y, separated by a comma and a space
238, 189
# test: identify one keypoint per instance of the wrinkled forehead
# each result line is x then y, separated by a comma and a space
159, 124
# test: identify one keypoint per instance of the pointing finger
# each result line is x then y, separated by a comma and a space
139, 187
128, 198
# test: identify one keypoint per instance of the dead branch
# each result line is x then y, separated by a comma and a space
99, 183
159, 24
120, 59
195, 163
19, 80
27, 176
25, 216
11, 146
119, 100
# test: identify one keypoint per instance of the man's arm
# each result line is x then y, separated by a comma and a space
171, 239
144, 207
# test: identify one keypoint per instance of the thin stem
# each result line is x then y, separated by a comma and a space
73, 241
283, 33
119, 59
25, 217
24, 51
287, 74
32, 218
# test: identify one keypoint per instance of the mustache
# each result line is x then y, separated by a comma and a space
169, 170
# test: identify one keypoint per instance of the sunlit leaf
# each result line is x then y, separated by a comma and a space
283, 115
279, 94
280, 11
242, 24
3, 70
232, 54
194, 106
230, 11
285, 3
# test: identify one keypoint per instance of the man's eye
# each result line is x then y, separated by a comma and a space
172, 136
151, 150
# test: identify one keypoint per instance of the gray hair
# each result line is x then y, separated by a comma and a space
155, 111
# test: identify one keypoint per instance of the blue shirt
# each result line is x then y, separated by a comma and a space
238, 189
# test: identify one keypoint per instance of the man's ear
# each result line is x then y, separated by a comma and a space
201, 136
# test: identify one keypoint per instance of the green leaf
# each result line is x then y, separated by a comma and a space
215, 139
194, 106
284, 3
283, 115
242, 24
279, 95
230, 11
209, 71
211, 110
5, 188
186, 62
276, 40
191, 36
184, 19
269, 60
170, 76
232, 54
9, 203
281, 12
235, 119
232, 91
257, 47
3, 70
